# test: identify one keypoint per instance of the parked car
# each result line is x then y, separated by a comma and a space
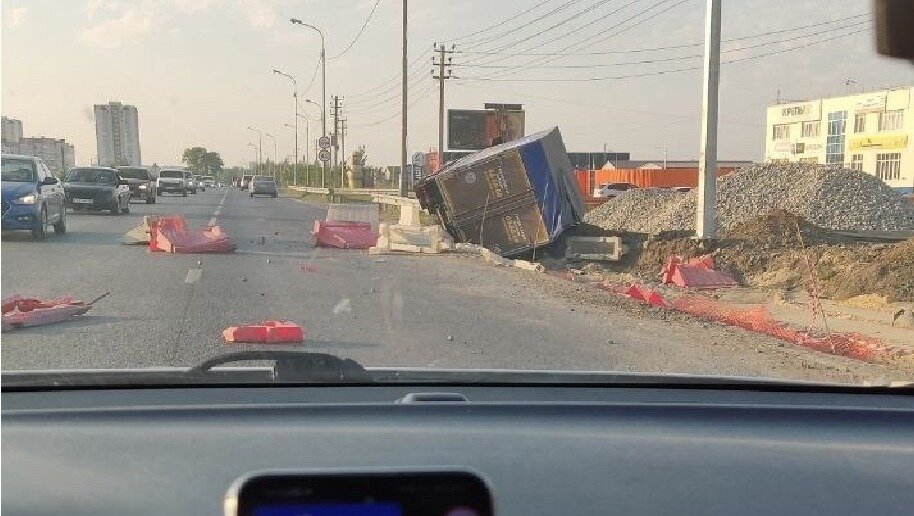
172, 180
263, 185
140, 182
32, 197
245, 182
191, 182
97, 188
612, 190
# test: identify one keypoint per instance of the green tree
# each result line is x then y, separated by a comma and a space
193, 157
212, 163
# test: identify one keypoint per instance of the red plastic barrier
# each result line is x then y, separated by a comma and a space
697, 273
22, 312
651, 297
267, 332
169, 234
344, 234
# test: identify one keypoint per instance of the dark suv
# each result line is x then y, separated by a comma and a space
142, 184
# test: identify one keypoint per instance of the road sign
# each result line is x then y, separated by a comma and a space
324, 142
324, 155
418, 159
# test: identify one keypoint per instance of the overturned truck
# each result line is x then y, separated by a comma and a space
510, 198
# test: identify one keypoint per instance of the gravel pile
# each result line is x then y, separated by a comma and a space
827, 196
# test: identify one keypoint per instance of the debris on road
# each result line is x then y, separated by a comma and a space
697, 272
412, 239
509, 198
344, 234
495, 259
831, 197
139, 234
266, 332
23, 312
169, 234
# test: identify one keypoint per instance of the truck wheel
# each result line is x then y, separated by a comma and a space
184, 193
150, 200
126, 208
61, 226
115, 208
39, 230
274, 196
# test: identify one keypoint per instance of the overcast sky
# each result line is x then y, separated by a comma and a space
199, 71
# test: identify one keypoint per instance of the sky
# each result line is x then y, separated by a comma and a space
200, 71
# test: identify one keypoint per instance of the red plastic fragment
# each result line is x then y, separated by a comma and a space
169, 234
698, 272
22, 312
344, 234
266, 332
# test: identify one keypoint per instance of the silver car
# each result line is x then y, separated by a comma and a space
263, 185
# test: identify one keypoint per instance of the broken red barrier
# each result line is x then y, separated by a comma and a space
267, 332
698, 272
22, 312
344, 234
640, 293
169, 234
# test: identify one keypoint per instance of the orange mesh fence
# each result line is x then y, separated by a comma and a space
758, 319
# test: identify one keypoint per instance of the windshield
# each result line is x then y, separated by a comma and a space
133, 173
91, 175
19, 170
560, 186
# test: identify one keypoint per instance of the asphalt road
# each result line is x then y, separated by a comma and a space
429, 311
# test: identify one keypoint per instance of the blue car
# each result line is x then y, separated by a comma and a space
33, 199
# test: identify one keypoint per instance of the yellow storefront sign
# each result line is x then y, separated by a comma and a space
887, 141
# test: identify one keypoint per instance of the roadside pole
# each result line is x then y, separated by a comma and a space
403, 183
706, 207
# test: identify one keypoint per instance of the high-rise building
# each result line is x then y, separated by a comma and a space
117, 134
12, 132
57, 153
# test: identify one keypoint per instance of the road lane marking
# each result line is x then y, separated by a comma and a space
212, 220
193, 275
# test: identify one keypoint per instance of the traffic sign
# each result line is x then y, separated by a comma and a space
324, 143
324, 155
418, 159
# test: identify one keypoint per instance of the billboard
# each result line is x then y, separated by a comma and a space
476, 129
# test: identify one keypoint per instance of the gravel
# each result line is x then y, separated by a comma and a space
832, 197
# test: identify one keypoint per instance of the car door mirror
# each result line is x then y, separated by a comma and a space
49, 180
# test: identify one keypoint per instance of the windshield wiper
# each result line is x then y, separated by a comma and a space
292, 366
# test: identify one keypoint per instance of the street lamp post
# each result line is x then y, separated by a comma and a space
296, 21
268, 135
295, 99
254, 147
259, 148
324, 163
307, 157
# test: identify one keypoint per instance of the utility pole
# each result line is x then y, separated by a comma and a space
706, 216
343, 140
444, 73
335, 141
403, 183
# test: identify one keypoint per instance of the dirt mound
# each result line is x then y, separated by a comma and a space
779, 229
886, 269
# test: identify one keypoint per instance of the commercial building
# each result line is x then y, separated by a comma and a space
117, 134
870, 132
57, 153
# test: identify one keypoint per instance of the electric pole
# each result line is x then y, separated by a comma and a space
706, 207
444, 72
335, 141
403, 96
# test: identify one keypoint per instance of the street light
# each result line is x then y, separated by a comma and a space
251, 145
268, 135
307, 140
324, 163
259, 149
295, 100
296, 21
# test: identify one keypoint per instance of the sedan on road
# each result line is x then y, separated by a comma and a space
245, 182
97, 188
263, 185
140, 182
32, 197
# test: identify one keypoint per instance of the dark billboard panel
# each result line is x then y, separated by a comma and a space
476, 129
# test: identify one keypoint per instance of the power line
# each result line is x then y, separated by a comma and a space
479, 42
669, 47
676, 58
361, 30
424, 93
374, 90
499, 24
313, 76
675, 70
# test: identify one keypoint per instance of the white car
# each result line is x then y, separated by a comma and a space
172, 180
611, 190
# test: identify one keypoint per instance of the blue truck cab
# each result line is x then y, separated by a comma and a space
33, 198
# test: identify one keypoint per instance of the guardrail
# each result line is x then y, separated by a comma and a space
344, 191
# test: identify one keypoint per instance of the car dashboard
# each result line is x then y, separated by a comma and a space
541, 449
